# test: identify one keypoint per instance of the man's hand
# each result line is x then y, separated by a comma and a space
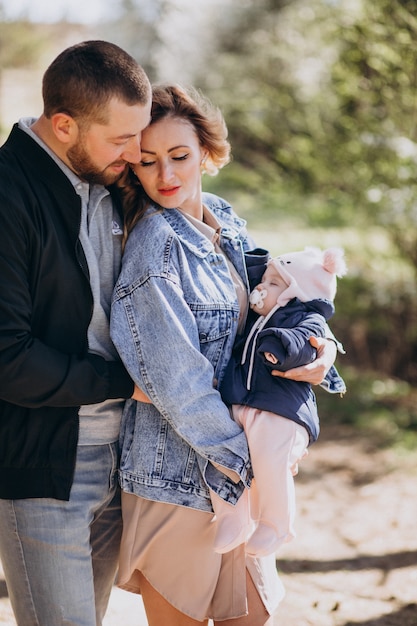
140, 396
315, 372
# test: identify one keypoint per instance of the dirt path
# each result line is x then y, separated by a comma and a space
354, 561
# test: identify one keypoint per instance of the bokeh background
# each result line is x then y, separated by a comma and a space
320, 100
321, 104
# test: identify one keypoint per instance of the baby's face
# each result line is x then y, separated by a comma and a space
265, 295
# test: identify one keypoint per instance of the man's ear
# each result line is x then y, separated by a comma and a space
64, 127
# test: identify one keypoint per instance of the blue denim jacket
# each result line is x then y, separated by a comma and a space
173, 321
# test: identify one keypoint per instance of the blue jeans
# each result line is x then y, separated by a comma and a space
60, 558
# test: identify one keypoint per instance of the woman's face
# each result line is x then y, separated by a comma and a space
170, 167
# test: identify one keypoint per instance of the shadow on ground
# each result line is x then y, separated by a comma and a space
406, 616
385, 562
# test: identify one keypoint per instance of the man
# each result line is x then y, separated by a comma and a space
62, 386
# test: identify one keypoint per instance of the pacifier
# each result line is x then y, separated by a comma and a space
257, 297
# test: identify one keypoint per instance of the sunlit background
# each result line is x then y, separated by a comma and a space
320, 101
320, 98
55, 10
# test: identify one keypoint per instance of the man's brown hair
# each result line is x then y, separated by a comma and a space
85, 77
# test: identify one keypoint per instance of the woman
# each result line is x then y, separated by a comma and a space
180, 300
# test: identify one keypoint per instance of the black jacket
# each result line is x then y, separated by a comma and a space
46, 305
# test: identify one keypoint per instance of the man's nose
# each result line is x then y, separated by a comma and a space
132, 153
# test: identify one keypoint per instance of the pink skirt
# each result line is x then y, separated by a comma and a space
172, 546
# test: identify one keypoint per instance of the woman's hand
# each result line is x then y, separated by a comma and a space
140, 396
315, 372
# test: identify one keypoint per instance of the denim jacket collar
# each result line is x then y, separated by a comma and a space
192, 238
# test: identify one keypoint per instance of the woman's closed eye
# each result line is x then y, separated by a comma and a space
182, 157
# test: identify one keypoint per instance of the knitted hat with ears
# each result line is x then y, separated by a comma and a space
309, 274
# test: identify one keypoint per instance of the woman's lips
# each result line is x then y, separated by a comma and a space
168, 192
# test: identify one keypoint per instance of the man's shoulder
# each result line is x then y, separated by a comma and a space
16, 139
25, 164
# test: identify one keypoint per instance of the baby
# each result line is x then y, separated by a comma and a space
293, 302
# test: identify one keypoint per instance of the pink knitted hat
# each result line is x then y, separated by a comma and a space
309, 274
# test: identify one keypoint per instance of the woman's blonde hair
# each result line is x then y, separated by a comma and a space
174, 101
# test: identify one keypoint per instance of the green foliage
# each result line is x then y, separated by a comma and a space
381, 409
375, 82
378, 324
320, 99
20, 44
261, 202
135, 28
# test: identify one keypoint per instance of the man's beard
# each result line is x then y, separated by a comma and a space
84, 167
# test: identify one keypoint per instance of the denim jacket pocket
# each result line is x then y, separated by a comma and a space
215, 324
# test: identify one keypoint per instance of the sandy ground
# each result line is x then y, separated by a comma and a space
354, 561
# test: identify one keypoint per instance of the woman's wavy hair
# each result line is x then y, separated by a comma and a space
173, 101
